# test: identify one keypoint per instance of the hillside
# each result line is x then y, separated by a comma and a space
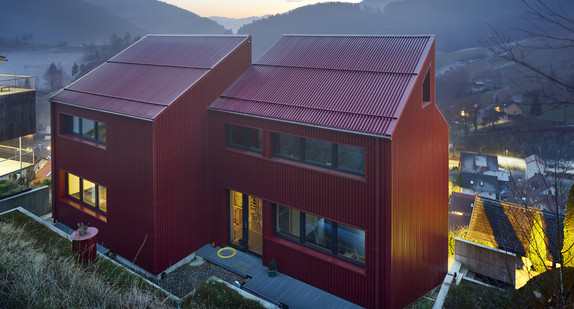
458, 24
72, 21
322, 18
159, 17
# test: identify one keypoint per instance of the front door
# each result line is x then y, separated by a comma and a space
246, 222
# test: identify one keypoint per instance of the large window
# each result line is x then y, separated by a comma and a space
335, 156
322, 234
87, 192
88, 129
245, 138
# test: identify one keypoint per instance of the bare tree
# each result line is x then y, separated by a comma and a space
553, 28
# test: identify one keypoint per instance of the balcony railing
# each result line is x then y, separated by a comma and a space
16, 82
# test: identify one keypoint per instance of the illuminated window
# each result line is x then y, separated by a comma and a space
245, 138
330, 155
345, 242
87, 192
85, 128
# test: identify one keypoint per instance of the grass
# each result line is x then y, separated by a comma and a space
214, 294
9, 186
471, 295
37, 270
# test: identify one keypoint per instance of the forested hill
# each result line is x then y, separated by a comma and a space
160, 17
72, 21
322, 18
95, 21
458, 24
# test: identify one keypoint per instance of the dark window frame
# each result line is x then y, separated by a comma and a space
247, 137
81, 199
426, 88
333, 251
69, 128
302, 156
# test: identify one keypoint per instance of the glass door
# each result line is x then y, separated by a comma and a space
246, 222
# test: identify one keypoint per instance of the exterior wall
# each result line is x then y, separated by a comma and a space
17, 114
124, 166
417, 221
183, 208
36, 201
339, 196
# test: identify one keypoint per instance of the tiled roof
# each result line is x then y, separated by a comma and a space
147, 77
509, 226
355, 83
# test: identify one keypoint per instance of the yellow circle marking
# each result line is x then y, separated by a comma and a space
226, 255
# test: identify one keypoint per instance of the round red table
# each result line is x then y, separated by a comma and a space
84, 246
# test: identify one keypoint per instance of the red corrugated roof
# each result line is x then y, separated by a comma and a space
352, 83
147, 77
389, 54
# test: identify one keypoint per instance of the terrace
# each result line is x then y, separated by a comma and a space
10, 84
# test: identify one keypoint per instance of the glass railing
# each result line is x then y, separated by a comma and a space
16, 82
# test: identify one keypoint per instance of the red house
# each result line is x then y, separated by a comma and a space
328, 155
130, 145
331, 157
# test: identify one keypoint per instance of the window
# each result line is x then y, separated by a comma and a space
333, 238
427, 89
87, 192
335, 156
245, 138
85, 128
288, 221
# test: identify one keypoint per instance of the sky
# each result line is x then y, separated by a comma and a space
243, 8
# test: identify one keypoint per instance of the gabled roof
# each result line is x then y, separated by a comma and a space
147, 77
345, 82
509, 225
478, 162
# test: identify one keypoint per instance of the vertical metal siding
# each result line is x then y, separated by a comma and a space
184, 187
346, 199
124, 167
419, 207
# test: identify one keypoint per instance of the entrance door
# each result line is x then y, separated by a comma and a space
246, 222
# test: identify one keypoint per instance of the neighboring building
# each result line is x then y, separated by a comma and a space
483, 185
477, 162
508, 226
328, 155
129, 145
460, 210
338, 148
513, 110
538, 190
534, 165
17, 119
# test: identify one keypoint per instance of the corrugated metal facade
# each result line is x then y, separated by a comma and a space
125, 167
155, 169
334, 195
184, 183
401, 202
417, 221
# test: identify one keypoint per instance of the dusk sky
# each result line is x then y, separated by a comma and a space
243, 8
